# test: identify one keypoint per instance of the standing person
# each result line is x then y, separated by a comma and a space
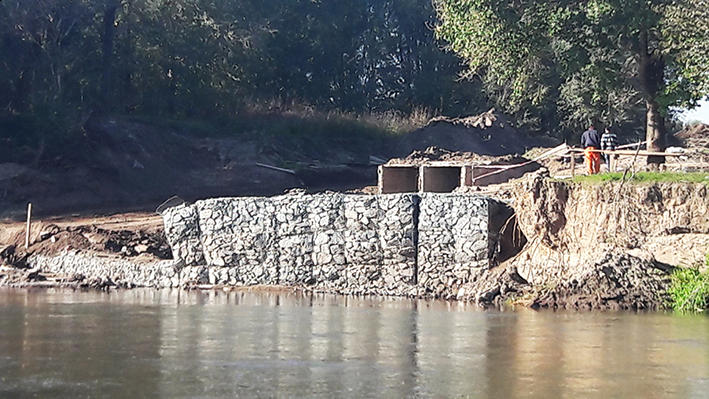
591, 140
609, 141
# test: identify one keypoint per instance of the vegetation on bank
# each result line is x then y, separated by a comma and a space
33, 138
644, 177
221, 68
212, 61
583, 61
689, 290
297, 119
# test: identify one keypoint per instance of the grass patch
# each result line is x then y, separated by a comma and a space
645, 177
295, 120
689, 290
292, 133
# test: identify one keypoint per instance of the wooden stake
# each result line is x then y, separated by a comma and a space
573, 165
29, 225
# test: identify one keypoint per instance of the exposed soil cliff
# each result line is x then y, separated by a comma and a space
609, 246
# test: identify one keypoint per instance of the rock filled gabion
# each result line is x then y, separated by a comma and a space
402, 244
379, 242
239, 235
453, 241
184, 234
121, 272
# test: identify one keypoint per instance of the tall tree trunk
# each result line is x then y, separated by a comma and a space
655, 132
18, 101
109, 20
651, 78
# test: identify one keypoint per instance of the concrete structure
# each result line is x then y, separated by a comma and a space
398, 179
440, 178
444, 177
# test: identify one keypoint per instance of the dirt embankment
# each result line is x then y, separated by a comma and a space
136, 236
609, 246
127, 165
489, 133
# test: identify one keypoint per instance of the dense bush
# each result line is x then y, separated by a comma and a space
689, 290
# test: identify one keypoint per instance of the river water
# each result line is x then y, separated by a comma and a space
177, 344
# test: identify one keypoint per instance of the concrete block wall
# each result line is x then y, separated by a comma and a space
445, 177
388, 244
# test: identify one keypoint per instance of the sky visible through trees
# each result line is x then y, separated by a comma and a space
700, 113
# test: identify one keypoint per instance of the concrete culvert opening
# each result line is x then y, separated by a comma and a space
506, 238
440, 179
398, 179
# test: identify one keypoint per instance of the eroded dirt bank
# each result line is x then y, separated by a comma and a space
609, 246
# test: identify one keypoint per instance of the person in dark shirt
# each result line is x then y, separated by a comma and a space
591, 141
609, 141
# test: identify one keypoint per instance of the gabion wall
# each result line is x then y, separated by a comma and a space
401, 244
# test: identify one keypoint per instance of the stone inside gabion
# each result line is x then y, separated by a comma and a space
395, 243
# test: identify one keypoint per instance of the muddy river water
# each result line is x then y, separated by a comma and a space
178, 344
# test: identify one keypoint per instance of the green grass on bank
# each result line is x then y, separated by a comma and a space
689, 290
645, 177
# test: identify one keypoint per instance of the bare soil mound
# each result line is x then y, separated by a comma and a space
126, 165
696, 136
489, 133
436, 154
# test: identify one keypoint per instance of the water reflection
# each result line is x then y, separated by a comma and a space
53, 345
145, 343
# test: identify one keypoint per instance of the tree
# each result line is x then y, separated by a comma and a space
109, 20
587, 59
209, 58
355, 55
47, 50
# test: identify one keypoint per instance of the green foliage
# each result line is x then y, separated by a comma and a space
213, 60
206, 58
689, 290
645, 177
576, 61
298, 121
685, 28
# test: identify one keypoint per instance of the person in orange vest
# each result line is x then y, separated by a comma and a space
591, 140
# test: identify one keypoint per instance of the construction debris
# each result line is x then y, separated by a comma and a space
482, 121
696, 136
